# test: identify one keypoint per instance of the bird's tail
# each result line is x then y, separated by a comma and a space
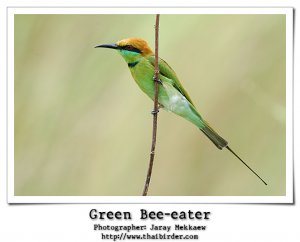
213, 136
221, 143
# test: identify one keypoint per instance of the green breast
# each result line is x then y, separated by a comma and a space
143, 73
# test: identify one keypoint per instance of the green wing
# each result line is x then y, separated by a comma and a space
167, 71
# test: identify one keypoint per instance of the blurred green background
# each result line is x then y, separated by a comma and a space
83, 127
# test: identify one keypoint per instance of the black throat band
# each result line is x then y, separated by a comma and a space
132, 64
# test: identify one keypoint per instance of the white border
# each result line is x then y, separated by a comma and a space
145, 10
152, 199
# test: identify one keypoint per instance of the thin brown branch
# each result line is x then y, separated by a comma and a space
155, 109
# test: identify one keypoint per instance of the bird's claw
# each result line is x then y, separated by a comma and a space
159, 81
154, 111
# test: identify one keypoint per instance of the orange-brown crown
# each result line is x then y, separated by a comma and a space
138, 43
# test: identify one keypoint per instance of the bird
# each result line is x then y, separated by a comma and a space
172, 96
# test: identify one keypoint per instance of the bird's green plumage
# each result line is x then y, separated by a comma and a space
167, 71
172, 96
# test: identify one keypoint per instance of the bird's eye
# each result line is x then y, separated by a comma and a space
131, 48
128, 47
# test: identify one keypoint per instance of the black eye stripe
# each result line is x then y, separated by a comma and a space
131, 48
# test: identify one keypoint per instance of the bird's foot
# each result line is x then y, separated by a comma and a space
154, 111
159, 81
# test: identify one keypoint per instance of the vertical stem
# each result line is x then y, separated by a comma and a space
155, 109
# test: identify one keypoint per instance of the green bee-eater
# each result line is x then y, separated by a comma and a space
171, 96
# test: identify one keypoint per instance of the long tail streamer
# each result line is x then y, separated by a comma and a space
245, 164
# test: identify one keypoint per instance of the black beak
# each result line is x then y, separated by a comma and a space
110, 46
